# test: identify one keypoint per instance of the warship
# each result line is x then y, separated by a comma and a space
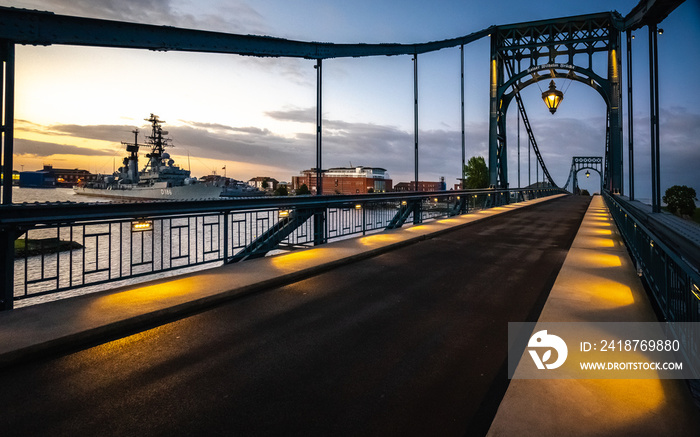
160, 179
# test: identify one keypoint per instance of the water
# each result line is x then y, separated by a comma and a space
32, 195
22, 195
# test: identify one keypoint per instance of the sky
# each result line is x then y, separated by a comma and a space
256, 116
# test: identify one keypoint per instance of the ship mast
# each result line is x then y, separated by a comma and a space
131, 162
157, 143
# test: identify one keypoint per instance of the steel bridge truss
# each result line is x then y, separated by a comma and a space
579, 163
523, 54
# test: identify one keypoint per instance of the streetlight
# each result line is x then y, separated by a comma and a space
552, 97
588, 174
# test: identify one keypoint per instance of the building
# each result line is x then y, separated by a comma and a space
50, 177
422, 186
346, 180
259, 183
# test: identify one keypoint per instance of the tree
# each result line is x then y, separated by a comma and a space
584, 193
266, 183
680, 200
304, 189
476, 173
281, 190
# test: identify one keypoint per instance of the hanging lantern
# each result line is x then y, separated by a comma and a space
588, 174
552, 97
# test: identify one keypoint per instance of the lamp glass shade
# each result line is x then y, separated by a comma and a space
552, 97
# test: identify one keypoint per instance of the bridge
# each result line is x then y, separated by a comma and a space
386, 314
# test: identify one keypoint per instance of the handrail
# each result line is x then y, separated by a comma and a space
60, 212
674, 284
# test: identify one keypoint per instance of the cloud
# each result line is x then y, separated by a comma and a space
297, 115
679, 148
232, 17
392, 148
43, 149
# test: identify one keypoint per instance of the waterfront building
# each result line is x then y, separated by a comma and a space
422, 186
260, 181
50, 177
346, 180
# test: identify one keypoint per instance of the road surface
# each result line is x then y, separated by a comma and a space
411, 342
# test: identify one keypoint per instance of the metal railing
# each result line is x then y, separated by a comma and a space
69, 246
673, 282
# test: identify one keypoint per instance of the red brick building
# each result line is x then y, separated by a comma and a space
422, 186
346, 180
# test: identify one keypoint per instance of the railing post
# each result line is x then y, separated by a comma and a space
225, 237
364, 220
7, 266
7, 51
417, 214
320, 227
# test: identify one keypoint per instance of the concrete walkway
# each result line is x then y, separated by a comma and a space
69, 324
587, 289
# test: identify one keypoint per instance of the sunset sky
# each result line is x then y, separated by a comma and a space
256, 116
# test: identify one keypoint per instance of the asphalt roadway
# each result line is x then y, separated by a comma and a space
410, 342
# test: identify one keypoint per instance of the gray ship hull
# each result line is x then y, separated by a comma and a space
184, 192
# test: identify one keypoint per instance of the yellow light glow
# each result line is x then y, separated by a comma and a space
284, 213
696, 291
142, 225
358, 206
598, 260
602, 242
296, 259
403, 202
373, 240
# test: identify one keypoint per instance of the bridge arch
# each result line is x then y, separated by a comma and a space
575, 73
580, 163
570, 38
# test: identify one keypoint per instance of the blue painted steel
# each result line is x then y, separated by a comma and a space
552, 46
579, 163
45, 28
673, 283
272, 237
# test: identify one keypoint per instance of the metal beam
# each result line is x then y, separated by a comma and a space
319, 118
271, 238
24, 26
649, 12
654, 119
415, 121
461, 181
630, 116
7, 48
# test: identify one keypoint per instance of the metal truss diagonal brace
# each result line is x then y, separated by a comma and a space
403, 213
528, 129
271, 238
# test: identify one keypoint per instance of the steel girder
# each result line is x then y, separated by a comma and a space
554, 46
23, 26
